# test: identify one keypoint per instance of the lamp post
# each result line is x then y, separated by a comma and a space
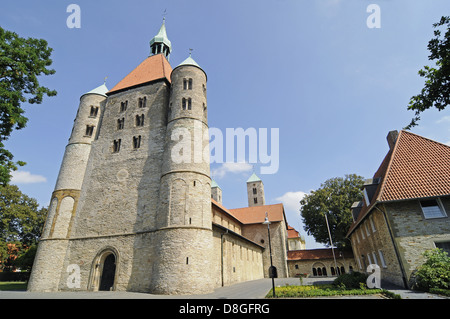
271, 270
331, 242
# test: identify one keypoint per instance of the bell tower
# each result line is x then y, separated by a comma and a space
255, 191
161, 43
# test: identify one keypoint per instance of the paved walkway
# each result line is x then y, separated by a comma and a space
256, 289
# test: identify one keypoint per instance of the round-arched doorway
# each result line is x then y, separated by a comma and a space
104, 270
108, 273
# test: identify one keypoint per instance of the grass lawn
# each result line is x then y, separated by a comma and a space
323, 290
13, 285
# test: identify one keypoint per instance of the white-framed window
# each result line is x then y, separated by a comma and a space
432, 208
366, 197
372, 224
368, 258
375, 260
383, 262
359, 262
362, 234
367, 229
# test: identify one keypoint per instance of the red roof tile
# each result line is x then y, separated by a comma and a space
416, 167
292, 232
153, 68
315, 254
419, 167
257, 214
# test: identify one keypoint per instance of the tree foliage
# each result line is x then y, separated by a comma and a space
435, 272
334, 198
21, 222
22, 60
436, 91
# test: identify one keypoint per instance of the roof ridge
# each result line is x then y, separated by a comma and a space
425, 138
388, 168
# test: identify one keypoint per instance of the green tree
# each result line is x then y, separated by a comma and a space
334, 198
436, 91
21, 222
22, 60
435, 272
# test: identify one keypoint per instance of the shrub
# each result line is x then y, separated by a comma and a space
435, 272
351, 280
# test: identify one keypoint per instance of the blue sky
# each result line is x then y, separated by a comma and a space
313, 69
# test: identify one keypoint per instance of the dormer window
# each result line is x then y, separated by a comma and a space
432, 208
366, 197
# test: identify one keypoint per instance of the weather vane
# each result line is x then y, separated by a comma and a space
164, 14
190, 51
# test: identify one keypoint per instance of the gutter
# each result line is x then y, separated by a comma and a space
397, 254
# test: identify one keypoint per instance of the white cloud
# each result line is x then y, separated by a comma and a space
291, 200
444, 119
24, 177
234, 168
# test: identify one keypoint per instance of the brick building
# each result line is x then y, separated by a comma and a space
405, 208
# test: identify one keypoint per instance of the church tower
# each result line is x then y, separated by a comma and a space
64, 200
255, 191
185, 221
160, 43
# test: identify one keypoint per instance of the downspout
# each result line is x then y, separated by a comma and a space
405, 282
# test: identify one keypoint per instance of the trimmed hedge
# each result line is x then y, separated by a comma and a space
14, 276
352, 280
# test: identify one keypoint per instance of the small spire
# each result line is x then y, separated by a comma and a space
160, 43
104, 80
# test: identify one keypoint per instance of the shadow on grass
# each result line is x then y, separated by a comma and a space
13, 286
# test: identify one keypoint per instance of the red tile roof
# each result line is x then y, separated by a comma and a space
292, 233
316, 254
153, 68
419, 167
257, 214
416, 167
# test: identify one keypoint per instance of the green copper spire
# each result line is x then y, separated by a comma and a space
189, 61
101, 90
160, 42
253, 178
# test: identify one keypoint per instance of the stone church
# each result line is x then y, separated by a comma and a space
128, 215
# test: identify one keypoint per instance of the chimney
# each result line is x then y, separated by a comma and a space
391, 138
